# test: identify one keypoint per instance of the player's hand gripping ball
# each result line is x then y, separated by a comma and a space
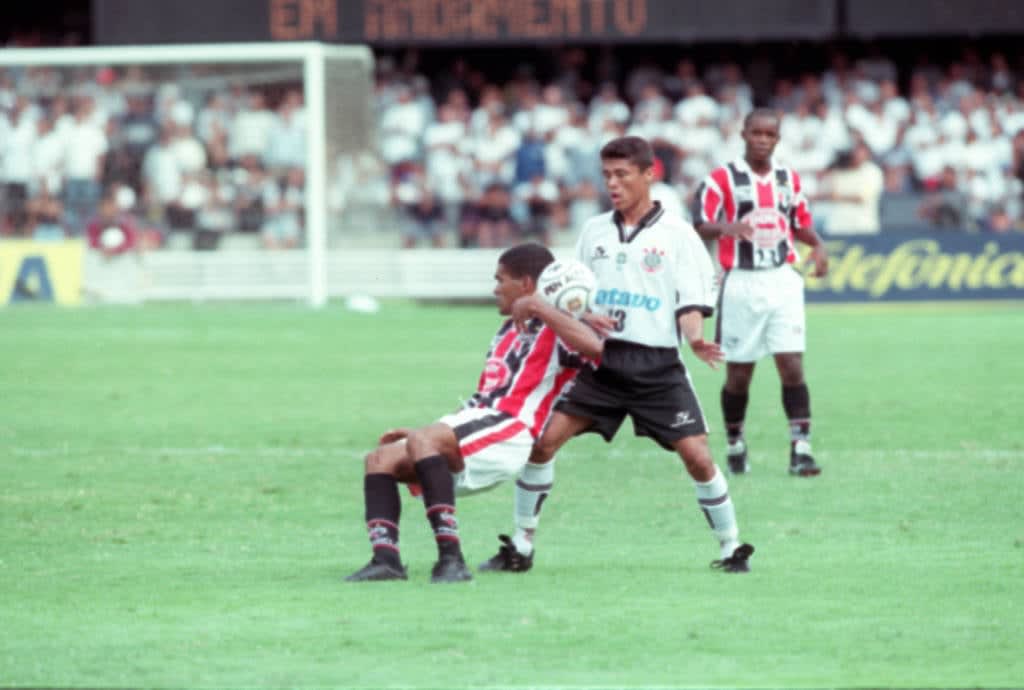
568, 285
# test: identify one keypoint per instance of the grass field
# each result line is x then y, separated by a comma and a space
181, 495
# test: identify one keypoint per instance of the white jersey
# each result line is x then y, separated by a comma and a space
647, 275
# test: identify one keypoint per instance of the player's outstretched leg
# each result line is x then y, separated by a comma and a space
383, 509
712, 491
532, 488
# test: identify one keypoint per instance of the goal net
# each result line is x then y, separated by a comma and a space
192, 171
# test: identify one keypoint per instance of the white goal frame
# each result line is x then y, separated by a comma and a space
312, 56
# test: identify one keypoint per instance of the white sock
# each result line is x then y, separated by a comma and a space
714, 501
532, 487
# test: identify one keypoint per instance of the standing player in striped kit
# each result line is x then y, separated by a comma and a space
656, 285
489, 440
755, 209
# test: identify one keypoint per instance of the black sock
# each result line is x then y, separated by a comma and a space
796, 400
383, 510
734, 410
439, 499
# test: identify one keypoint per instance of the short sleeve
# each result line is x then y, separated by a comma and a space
695, 284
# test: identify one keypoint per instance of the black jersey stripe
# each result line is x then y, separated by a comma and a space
477, 425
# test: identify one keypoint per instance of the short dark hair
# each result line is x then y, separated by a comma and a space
761, 112
527, 259
634, 149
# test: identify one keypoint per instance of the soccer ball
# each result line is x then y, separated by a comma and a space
568, 285
112, 238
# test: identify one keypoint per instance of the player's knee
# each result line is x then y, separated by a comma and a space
696, 456
373, 462
792, 373
738, 380
542, 452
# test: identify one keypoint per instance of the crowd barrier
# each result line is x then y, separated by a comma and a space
926, 266
896, 267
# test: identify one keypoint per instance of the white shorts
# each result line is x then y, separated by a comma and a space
760, 313
495, 447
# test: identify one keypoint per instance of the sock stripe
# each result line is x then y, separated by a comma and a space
717, 501
533, 487
381, 521
446, 537
439, 508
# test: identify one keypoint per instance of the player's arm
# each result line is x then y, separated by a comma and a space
803, 231
712, 231
574, 333
707, 213
691, 326
694, 296
819, 255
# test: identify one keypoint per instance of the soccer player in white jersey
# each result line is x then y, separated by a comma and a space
656, 284
490, 439
756, 209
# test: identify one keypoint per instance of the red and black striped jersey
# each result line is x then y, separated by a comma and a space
525, 373
773, 204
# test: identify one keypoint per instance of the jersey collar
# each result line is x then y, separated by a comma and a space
743, 166
648, 219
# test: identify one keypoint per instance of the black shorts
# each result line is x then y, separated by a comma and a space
649, 384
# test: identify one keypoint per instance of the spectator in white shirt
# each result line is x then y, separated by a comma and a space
607, 106
494, 152
446, 163
286, 144
250, 129
853, 191
162, 178
16, 169
47, 159
83, 166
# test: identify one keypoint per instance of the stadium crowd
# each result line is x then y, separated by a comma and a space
466, 159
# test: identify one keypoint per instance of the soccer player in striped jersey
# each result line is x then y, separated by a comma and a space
656, 285
489, 440
756, 209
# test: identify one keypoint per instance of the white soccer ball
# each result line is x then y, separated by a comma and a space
112, 237
568, 285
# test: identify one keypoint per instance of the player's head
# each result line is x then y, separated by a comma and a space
760, 134
627, 164
517, 273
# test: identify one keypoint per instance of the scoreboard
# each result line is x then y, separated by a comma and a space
459, 22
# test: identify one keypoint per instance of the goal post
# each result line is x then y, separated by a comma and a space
337, 87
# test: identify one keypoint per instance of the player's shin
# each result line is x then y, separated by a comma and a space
714, 501
439, 499
796, 400
734, 410
532, 489
383, 511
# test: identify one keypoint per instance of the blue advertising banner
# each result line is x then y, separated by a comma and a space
913, 267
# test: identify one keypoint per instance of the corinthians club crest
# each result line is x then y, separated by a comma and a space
653, 259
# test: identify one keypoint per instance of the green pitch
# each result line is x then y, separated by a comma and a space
181, 495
